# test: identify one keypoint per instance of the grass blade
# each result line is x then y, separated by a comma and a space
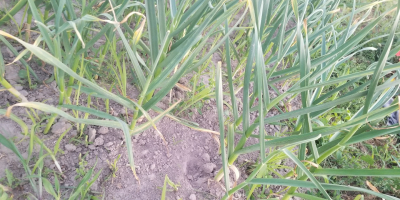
129, 148
306, 184
220, 107
308, 173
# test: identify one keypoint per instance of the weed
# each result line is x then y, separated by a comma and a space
167, 181
4, 193
113, 167
81, 170
10, 178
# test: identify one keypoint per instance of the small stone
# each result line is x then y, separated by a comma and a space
152, 176
103, 130
92, 134
114, 113
206, 157
50, 100
78, 149
18, 48
179, 95
142, 142
169, 155
70, 147
209, 167
140, 119
11, 73
18, 87
24, 92
153, 166
190, 177
162, 105
74, 133
40, 96
92, 147
99, 141
144, 152
62, 119
108, 144
123, 111
192, 197
60, 127
7, 52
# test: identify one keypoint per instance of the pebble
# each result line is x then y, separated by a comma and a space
142, 142
108, 144
92, 134
40, 96
99, 141
103, 130
152, 176
153, 166
62, 119
169, 155
92, 147
18, 87
144, 152
179, 95
209, 167
7, 52
162, 105
192, 197
206, 157
74, 133
11, 73
60, 127
50, 100
70, 147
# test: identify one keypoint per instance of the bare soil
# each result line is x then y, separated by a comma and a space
189, 158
